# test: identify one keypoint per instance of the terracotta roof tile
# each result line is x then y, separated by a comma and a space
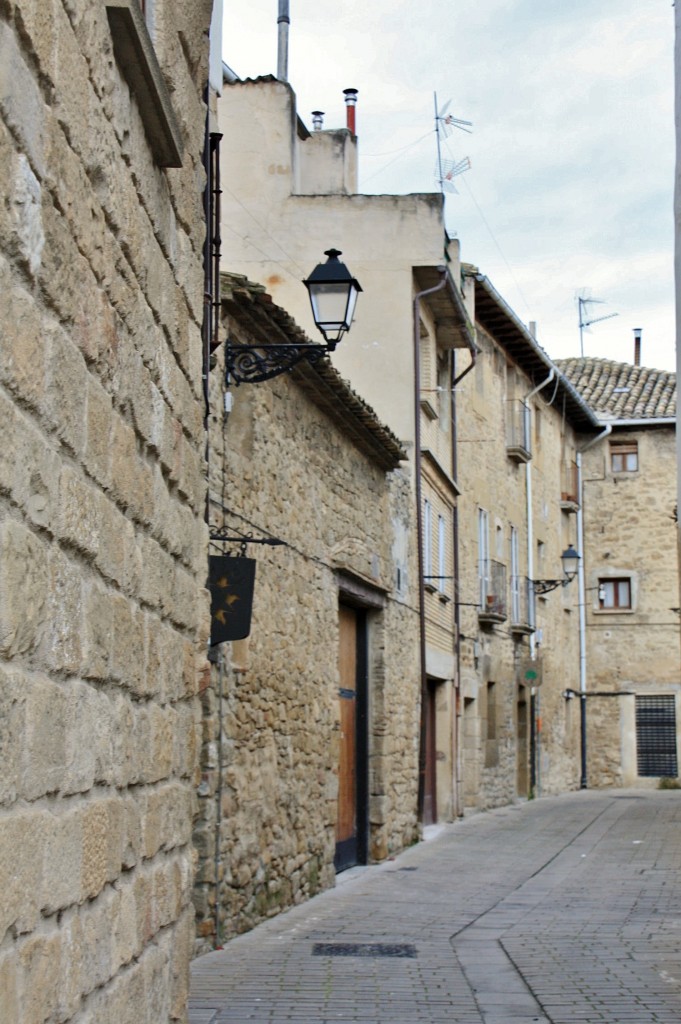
618, 391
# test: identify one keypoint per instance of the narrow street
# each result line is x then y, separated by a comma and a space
557, 911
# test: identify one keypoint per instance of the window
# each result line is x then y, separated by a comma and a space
427, 540
483, 554
624, 456
441, 558
444, 391
614, 593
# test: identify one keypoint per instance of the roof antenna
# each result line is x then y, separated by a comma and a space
283, 22
447, 170
584, 300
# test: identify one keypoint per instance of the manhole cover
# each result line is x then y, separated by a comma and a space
386, 949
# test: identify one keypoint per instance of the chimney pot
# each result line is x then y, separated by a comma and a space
317, 120
350, 104
637, 346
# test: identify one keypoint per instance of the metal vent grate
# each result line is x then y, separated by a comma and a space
656, 737
367, 949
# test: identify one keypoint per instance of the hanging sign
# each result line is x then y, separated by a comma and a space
231, 582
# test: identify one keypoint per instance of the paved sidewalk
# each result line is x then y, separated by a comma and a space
565, 910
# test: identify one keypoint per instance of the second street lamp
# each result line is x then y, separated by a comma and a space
570, 562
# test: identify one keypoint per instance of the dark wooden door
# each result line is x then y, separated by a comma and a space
351, 823
430, 782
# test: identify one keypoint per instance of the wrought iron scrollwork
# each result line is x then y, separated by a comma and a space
247, 364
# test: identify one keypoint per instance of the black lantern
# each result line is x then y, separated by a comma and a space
570, 562
333, 294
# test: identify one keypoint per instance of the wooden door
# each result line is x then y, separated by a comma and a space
351, 825
430, 781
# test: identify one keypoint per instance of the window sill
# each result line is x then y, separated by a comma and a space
134, 53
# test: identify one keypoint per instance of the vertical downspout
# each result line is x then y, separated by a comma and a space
581, 579
535, 740
458, 710
419, 535
218, 802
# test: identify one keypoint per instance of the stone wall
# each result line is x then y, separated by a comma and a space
495, 655
283, 467
102, 541
629, 526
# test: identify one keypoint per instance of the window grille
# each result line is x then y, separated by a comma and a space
656, 754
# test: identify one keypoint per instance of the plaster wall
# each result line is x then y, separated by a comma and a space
103, 615
276, 237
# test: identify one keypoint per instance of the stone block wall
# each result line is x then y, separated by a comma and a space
283, 467
630, 531
103, 612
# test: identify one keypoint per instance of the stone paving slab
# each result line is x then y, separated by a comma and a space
566, 910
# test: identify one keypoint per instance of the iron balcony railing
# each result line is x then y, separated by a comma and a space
493, 601
522, 605
518, 422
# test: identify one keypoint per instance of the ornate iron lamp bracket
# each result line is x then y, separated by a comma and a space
245, 364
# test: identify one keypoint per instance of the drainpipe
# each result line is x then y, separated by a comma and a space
581, 579
419, 533
218, 802
535, 739
458, 710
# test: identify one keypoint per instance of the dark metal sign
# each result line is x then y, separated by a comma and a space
231, 582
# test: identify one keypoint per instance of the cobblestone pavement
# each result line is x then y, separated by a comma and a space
565, 910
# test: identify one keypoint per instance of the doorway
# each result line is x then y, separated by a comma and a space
430, 781
352, 824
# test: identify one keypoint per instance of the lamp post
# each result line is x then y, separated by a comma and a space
333, 294
570, 562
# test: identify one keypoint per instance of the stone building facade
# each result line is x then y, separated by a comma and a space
103, 612
633, 680
520, 423
320, 703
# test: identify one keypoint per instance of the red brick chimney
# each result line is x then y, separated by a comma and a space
637, 346
350, 104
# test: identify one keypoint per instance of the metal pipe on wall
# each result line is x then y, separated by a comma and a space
283, 22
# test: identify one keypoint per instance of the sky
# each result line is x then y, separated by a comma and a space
570, 187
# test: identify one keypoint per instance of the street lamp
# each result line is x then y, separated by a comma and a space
333, 294
570, 562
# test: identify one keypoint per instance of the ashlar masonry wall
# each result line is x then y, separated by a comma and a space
102, 540
281, 466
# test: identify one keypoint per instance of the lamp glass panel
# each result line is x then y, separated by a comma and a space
329, 305
570, 564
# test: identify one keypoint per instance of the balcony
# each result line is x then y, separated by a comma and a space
523, 620
493, 604
569, 487
518, 444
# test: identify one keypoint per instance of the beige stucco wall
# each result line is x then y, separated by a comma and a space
102, 545
276, 237
630, 532
282, 467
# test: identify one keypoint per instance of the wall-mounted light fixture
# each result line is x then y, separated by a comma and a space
570, 561
333, 294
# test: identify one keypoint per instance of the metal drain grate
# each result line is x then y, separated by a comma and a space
385, 949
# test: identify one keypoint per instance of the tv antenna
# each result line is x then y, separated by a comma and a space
447, 170
586, 319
